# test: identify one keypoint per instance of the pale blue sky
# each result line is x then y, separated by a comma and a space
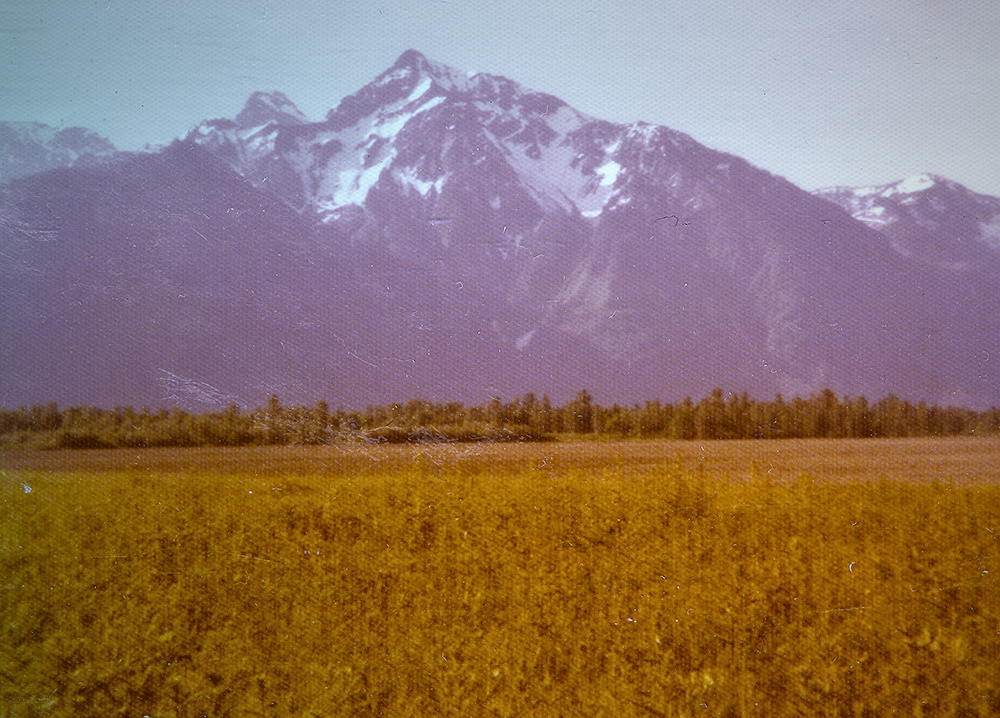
824, 92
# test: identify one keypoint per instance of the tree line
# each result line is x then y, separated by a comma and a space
525, 418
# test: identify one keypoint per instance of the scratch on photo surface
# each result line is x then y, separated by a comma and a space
177, 387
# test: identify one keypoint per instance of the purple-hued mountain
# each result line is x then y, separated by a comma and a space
456, 236
28, 148
928, 218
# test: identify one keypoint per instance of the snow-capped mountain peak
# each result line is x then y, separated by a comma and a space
420, 125
414, 76
927, 217
415, 67
264, 107
916, 183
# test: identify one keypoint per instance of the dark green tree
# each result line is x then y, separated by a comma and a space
581, 411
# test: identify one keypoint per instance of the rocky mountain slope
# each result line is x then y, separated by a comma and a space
455, 236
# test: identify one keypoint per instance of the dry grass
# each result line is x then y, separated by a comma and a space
618, 579
957, 459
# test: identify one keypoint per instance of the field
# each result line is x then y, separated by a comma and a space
790, 578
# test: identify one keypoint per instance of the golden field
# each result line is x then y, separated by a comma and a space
798, 578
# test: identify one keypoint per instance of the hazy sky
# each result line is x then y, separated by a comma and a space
823, 92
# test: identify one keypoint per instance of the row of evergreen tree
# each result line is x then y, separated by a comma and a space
526, 418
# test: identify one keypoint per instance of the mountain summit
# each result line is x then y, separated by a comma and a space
928, 218
28, 148
266, 107
453, 235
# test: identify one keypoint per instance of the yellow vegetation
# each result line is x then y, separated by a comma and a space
415, 583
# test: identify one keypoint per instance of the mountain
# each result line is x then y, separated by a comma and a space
928, 218
457, 236
28, 148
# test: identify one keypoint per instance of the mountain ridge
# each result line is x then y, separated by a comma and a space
488, 239
926, 214
28, 148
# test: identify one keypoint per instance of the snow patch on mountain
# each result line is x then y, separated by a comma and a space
353, 184
643, 131
989, 230
549, 176
917, 183
609, 173
408, 178
400, 73
420, 90
557, 170
366, 149
873, 215
390, 126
